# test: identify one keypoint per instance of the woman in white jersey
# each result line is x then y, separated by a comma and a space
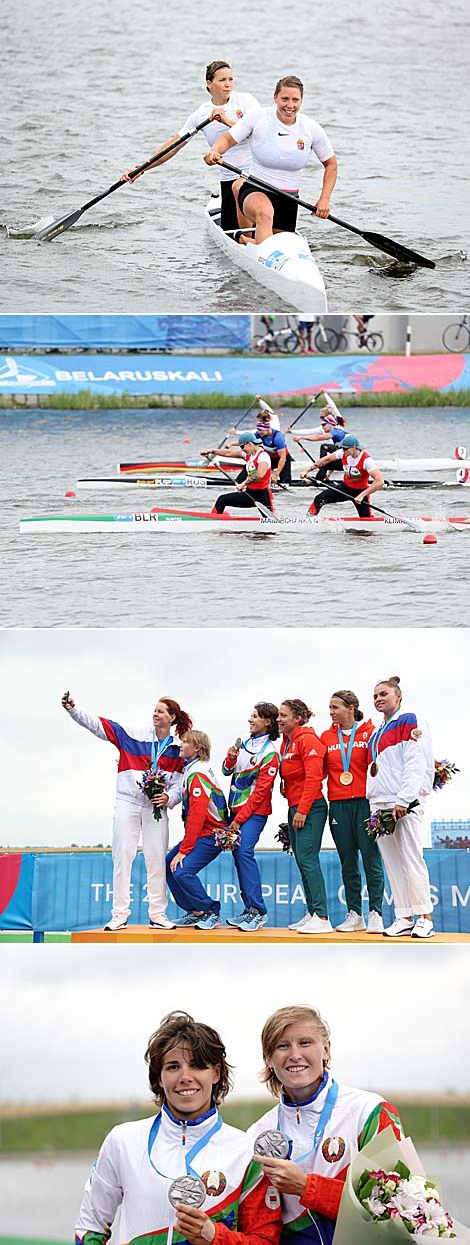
229, 107
183, 1170
282, 139
401, 769
323, 1122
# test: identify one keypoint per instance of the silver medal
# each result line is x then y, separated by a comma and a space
272, 1144
188, 1190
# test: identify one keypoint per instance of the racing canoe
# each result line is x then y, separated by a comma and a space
200, 467
161, 519
96, 484
283, 263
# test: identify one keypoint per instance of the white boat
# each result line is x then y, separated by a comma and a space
186, 522
97, 484
202, 468
282, 263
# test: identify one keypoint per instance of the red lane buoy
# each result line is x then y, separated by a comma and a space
430, 539
70, 493
187, 441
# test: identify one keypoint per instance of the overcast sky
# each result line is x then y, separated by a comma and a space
76, 1022
58, 780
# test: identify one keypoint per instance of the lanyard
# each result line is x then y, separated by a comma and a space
284, 749
199, 1145
158, 748
255, 751
375, 740
346, 759
328, 1106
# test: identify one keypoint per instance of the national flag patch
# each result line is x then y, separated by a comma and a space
196, 791
272, 1198
416, 734
300, 144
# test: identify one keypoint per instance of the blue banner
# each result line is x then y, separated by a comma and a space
125, 332
73, 890
179, 375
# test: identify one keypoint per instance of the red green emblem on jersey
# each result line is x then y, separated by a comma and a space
214, 1183
239, 113
333, 1149
300, 144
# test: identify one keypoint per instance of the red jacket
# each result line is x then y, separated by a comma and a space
302, 768
357, 766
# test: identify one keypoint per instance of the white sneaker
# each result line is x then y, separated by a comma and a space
316, 925
303, 921
116, 922
401, 925
375, 923
162, 922
423, 928
353, 924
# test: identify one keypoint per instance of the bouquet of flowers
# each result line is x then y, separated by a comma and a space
412, 1200
284, 837
227, 837
381, 822
444, 771
153, 783
388, 1199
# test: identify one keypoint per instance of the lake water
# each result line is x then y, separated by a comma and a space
217, 579
55, 1188
96, 88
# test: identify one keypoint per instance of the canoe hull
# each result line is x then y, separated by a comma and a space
191, 522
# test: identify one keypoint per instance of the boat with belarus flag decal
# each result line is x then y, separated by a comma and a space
168, 521
283, 263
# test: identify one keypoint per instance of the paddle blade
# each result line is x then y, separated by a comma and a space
57, 227
397, 250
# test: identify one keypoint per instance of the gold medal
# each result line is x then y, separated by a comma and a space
374, 769
346, 778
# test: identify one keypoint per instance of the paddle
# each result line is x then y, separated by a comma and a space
296, 420
335, 489
237, 425
59, 226
375, 239
266, 514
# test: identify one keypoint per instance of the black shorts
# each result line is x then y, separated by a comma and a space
228, 213
285, 210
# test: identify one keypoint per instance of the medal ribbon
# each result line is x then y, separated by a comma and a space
199, 1145
158, 748
375, 740
346, 759
328, 1106
255, 751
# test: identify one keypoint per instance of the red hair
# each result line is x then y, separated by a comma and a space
182, 720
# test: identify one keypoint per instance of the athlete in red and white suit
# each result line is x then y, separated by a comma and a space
258, 477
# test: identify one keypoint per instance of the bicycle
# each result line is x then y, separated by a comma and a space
373, 340
456, 337
325, 339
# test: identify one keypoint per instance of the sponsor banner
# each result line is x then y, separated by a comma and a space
72, 891
16, 891
125, 332
179, 375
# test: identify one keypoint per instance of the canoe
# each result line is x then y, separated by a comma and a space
95, 484
282, 263
180, 521
199, 467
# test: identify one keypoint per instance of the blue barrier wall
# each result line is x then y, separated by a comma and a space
125, 332
147, 374
72, 891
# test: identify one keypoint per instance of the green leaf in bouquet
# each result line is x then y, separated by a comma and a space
402, 1170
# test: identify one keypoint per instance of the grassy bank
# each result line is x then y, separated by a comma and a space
84, 400
427, 1121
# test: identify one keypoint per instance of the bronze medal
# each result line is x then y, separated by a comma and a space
346, 778
374, 769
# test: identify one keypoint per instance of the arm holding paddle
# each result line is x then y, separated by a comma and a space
232, 450
377, 482
329, 458
322, 207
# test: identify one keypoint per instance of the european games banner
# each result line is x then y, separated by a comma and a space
73, 890
181, 375
125, 332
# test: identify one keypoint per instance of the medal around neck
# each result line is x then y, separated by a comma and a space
187, 1189
346, 778
374, 769
272, 1144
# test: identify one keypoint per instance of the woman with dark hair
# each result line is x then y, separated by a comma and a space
302, 757
152, 748
324, 1122
346, 769
401, 771
184, 1169
282, 140
252, 766
228, 107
